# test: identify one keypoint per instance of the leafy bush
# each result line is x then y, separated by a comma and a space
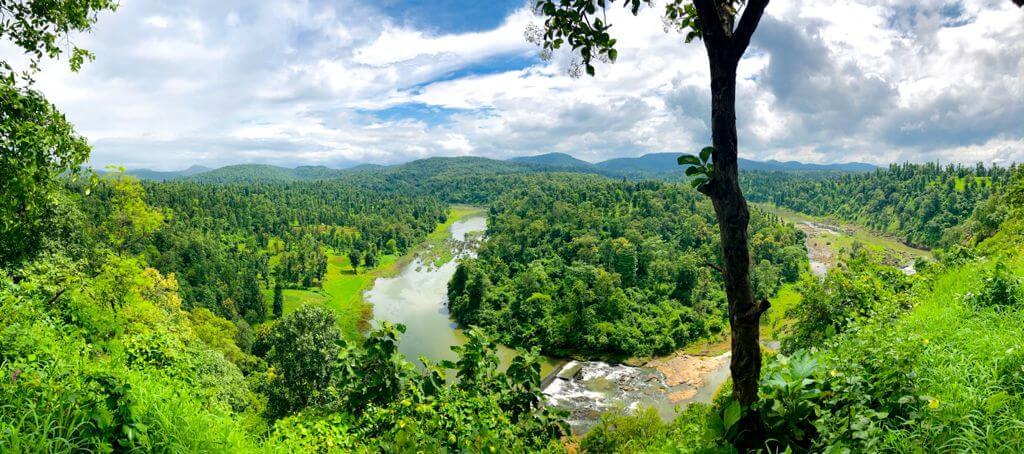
999, 288
644, 431
301, 348
857, 292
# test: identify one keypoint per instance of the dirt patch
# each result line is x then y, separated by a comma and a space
687, 369
680, 396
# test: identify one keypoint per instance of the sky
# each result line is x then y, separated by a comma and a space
337, 83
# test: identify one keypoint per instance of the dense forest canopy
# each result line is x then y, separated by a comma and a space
915, 202
597, 267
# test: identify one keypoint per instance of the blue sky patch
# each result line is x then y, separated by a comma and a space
450, 16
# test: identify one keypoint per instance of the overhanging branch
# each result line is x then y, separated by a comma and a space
748, 23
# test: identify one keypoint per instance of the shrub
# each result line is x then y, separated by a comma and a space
999, 288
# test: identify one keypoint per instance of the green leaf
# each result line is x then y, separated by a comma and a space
997, 401
694, 170
688, 159
706, 153
613, 54
732, 414
697, 182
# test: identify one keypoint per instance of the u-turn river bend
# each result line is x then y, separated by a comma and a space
416, 298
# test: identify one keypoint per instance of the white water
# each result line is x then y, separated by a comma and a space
596, 387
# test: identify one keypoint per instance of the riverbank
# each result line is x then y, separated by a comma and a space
837, 235
343, 289
696, 372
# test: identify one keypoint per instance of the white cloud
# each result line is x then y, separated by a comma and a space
304, 81
157, 21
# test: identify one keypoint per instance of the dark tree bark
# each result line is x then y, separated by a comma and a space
724, 48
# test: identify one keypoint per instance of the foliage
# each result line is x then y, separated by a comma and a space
698, 168
386, 406
41, 29
916, 202
87, 373
578, 24
588, 266
859, 289
998, 288
37, 146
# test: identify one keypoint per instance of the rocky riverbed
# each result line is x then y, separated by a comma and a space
588, 388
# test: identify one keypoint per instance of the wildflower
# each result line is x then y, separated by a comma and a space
834, 373
933, 404
925, 341
15, 374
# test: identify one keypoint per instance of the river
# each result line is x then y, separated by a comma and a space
416, 298
825, 240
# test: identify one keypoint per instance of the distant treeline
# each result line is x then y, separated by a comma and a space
915, 202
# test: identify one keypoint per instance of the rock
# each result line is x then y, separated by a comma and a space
688, 369
569, 371
680, 396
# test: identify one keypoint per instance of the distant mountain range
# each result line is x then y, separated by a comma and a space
157, 175
653, 165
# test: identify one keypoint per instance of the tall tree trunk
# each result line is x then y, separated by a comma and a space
733, 219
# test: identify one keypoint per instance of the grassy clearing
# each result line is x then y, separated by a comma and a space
434, 249
848, 234
342, 289
962, 355
774, 321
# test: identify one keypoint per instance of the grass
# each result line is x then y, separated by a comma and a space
849, 234
961, 351
434, 249
774, 321
342, 288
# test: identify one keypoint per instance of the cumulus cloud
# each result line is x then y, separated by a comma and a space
336, 83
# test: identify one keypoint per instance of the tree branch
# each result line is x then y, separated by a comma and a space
715, 267
748, 23
56, 295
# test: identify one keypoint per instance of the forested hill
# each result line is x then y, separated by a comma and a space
915, 202
649, 166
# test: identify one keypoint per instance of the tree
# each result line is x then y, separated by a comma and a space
370, 260
354, 257
37, 144
251, 305
278, 300
302, 350
577, 23
624, 260
131, 218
